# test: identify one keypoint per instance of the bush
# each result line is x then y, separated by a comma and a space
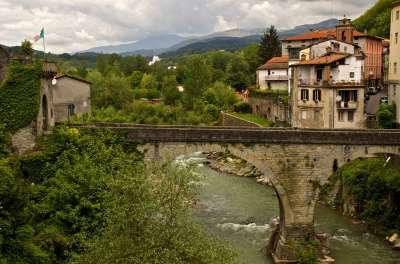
387, 116
243, 108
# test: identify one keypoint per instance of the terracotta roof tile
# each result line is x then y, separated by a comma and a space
322, 34
328, 59
276, 63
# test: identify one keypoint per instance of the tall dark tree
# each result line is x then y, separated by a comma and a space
270, 45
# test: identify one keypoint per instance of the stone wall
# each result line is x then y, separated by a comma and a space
229, 120
269, 109
24, 139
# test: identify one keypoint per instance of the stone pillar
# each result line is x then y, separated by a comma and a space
296, 181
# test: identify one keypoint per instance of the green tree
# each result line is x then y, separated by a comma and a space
130, 64
221, 96
170, 92
238, 73
148, 82
197, 76
387, 116
135, 79
26, 48
270, 45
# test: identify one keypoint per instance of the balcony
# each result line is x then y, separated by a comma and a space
342, 105
310, 103
329, 83
276, 78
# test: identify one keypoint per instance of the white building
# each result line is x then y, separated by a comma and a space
274, 74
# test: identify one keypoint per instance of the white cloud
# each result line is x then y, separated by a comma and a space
73, 25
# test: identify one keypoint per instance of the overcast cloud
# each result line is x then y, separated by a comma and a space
74, 25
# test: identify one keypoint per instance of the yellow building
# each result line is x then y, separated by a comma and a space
394, 58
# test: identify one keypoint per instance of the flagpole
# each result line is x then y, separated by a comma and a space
44, 45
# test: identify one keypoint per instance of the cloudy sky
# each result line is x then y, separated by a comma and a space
74, 25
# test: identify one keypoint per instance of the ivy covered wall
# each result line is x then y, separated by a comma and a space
20, 95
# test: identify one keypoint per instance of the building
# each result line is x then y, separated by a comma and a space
274, 74
71, 96
371, 46
328, 92
394, 59
4, 59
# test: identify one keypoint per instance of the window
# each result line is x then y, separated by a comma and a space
71, 110
396, 38
269, 85
294, 53
397, 15
317, 95
304, 94
345, 49
341, 116
395, 68
316, 115
394, 90
303, 115
350, 116
348, 96
269, 72
352, 75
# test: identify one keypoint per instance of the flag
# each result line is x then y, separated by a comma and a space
40, 36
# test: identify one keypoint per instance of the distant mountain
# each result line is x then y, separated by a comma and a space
330, 23
217, 43
150, 43
224, 40
172, 45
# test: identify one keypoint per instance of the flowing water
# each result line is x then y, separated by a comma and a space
239, 210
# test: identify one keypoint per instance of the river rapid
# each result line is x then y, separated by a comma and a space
240, 210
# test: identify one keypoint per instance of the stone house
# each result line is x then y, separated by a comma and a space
394, 59
328, 92
4, 60
274, 74
71, 96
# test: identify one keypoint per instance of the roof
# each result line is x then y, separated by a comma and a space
325, 34
324, 60
313, 35
276, 63
59, 76
395, 4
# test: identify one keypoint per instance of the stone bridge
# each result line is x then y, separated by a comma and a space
297, 162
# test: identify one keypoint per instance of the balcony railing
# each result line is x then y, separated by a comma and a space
276, 78
347, 105
310, 103
311, 82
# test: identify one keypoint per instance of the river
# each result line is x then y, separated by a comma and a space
227, 204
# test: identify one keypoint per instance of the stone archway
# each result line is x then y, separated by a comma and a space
45, 114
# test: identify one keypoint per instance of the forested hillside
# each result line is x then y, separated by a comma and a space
376, 20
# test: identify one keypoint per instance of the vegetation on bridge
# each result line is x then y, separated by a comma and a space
20, 95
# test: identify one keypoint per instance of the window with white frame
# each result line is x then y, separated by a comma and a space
305, 94
341, 116
317, 95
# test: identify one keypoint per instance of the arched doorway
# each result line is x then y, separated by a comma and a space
45, 114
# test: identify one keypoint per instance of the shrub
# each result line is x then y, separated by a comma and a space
387, 116
243, 107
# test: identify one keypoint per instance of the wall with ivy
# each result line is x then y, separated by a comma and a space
20, 95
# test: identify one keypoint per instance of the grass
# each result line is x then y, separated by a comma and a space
255, 119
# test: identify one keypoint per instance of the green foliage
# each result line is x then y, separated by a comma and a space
26, 48
19, 95
221, 96
387, 116
308, 252
270, 45
277, 96
170, 92
374, 186
255, 119
135, 79
243, 107
197, 76
148, 82
83, 193
376, 20
238, 74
